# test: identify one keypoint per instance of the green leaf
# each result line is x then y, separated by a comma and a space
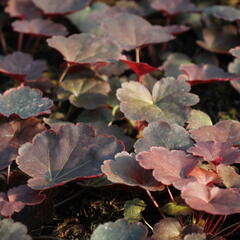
175, 209
198, 119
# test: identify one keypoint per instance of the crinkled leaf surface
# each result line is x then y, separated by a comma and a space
223, 131
120, 230
131, 31
24, 102
126, 170
88, 93
220, 40
170, 101
229, 176
198, 119
167, 229
168, 166
171, 136
205, 73
224, 12
10, 230
54, 7
22, 9
66, 153
22, 66
16, 198
39, 27
13, 135
85, 48
216, 152
212, 200
173, 7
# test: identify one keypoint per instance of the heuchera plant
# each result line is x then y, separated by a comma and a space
99, 94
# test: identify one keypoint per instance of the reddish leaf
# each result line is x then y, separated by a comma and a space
58, 7
22, 9
131, 31
85, 48
126, 170
168, 166
16, 198
173, 7
22, 67
223, 131
24, 102
140, 68
205, 73
212, 200
39, 27
65, 154
216, 152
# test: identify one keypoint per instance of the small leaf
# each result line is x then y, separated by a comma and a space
198, 119
120, 230
24, 102
175, 209
133, 210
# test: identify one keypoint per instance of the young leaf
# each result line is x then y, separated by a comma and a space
170, 101
120, 230
39, 27
168, 166
69, 152
131, 31
126, 170
22, 66
171, 136
10, 230
175, 209
24, 102
85, 48
198, 119
16, 198
212, 200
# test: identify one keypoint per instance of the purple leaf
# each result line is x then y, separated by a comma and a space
120, 230
223, 131
173, 7
39, 27
171, 136
22, 66
69, 152
126, 170
212, 200
24, 102
17, 197
205, 73
22, 9
131, 31
216, 152
10, 230
57, 7
170, 101
85, 48
167, 166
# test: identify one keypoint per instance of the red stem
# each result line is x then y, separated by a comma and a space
210, 223
170, 194
220, 226
152, 199
20, 40
216, 224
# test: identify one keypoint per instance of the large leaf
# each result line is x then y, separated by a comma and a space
126, 170
85, 48
39, 27
171, 136
57, 7
212, 200
173, 7
120, 230
131, 31
16, 198
69, 152
170, 101
24, 102
10, 230
22, 66
223, 131
168, 166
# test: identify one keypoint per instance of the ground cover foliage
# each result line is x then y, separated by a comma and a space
119, 119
